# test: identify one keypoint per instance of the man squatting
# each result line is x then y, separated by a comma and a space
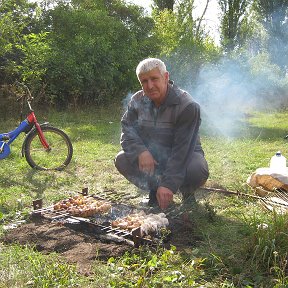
162, 151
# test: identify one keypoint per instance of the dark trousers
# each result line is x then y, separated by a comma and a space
197, 173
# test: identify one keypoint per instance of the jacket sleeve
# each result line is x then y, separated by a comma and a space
130, 141
186, 135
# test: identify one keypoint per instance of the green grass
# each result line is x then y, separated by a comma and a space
25, 267
233, 250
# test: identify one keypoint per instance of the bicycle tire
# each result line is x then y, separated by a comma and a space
56, 158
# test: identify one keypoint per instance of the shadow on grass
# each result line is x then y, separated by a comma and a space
34, 183
39, 184
222, 246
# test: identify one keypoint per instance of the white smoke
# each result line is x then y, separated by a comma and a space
228, 91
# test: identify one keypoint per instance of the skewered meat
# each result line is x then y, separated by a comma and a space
83, 206
148, 223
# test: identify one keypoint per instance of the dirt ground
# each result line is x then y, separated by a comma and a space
82, 247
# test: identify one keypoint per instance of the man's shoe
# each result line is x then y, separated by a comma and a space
188, 195
152, 199
190, 199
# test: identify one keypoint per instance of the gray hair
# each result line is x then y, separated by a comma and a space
149, 64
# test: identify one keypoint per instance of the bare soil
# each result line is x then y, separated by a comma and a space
82, 247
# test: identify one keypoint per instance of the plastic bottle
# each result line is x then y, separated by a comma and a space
278, 163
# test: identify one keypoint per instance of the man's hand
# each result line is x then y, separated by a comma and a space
164, 197
146, 162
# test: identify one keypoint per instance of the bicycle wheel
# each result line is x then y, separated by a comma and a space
56, 158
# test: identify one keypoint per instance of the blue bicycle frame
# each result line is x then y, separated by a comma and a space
7, 138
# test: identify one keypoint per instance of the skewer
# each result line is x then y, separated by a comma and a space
266, 199
49, 208
282, 194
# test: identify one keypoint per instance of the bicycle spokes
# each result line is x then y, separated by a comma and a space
56, 156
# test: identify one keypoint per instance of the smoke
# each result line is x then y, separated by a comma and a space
126, 100
229, 90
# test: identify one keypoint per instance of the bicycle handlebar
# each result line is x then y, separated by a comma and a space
27, 94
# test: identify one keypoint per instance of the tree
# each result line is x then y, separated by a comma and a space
164, 4
274, 18
17, 19
35, 51
233, 20
95, 51
184, 43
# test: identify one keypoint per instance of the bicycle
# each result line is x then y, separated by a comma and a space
45, 147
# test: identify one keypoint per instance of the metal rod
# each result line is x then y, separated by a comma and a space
60, 215
276, 203
230, 192
283, 195
43, 209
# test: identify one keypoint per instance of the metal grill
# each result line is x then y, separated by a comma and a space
98, 224
276, 200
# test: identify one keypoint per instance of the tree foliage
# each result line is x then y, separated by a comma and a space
184, 46
164, 4
75, 52
82, 52
95, 44
35, 51
17, 19
274, 18
233, 22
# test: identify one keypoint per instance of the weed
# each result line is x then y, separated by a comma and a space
144, 268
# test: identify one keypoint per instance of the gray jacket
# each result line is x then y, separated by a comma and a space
169, 132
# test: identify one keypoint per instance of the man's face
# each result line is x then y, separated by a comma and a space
154, 85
